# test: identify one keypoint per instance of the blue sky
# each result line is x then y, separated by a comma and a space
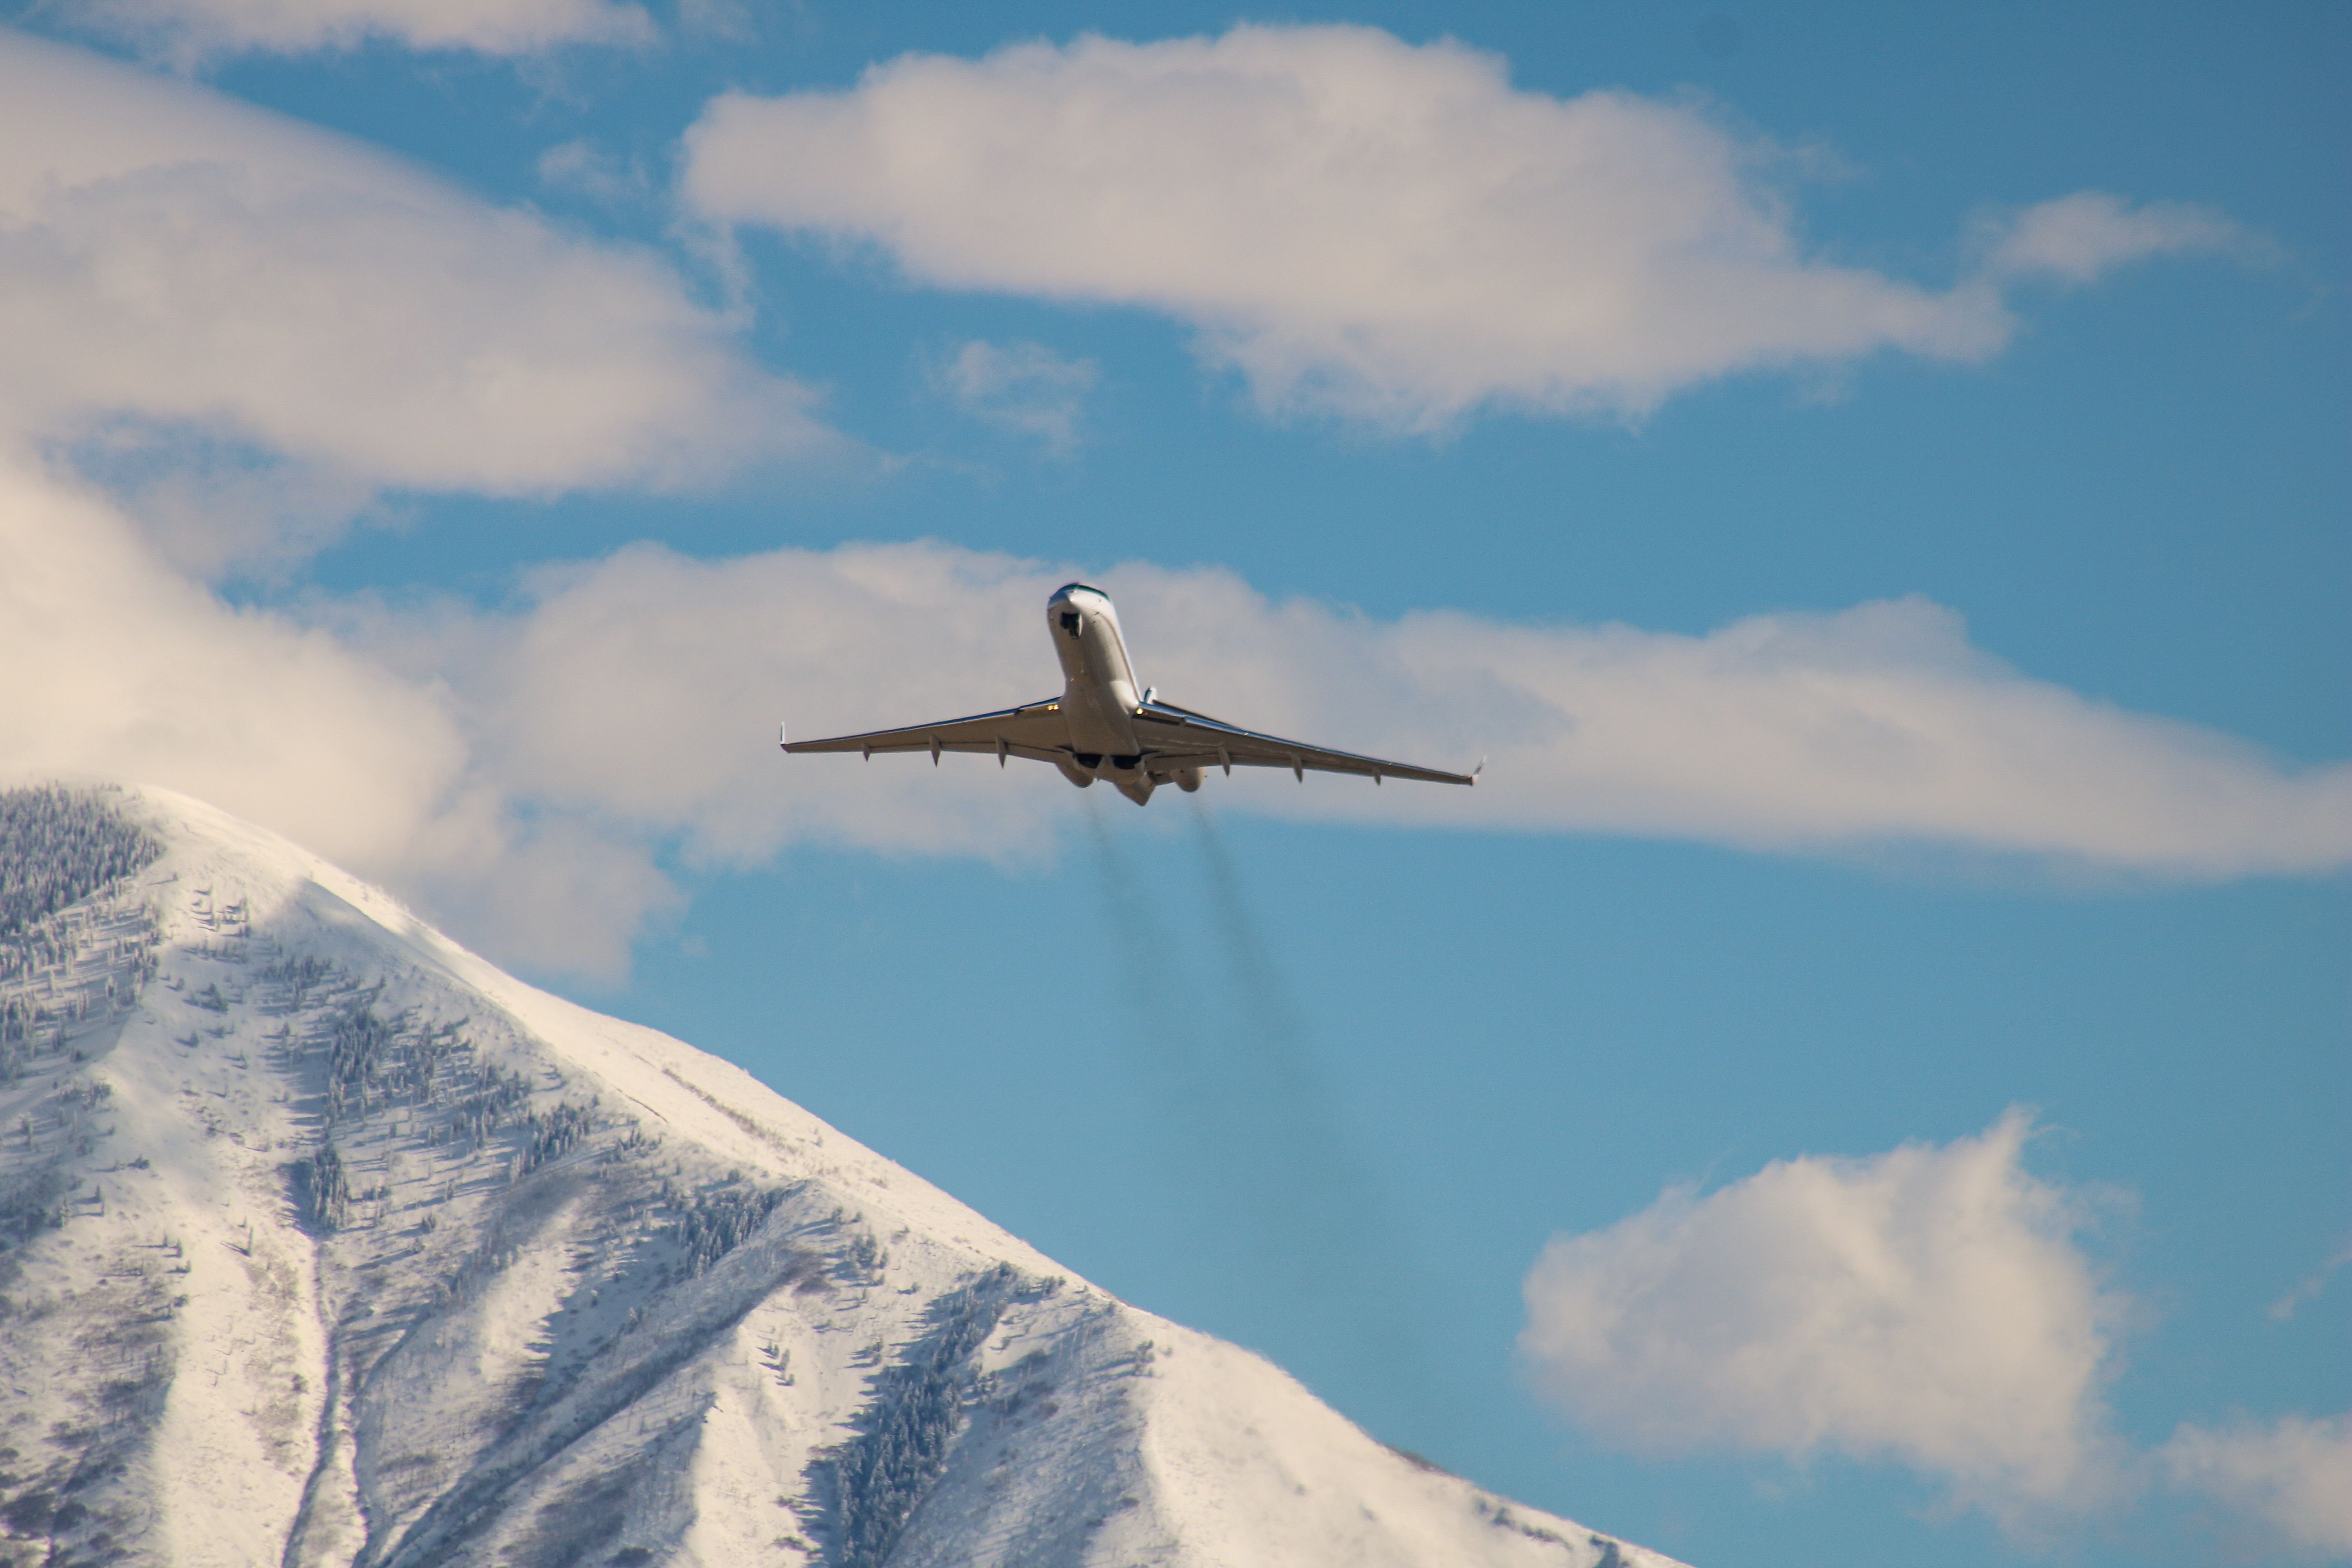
1878, 497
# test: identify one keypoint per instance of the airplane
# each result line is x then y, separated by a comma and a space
1101, 727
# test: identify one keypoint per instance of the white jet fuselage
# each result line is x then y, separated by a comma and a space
1099, 695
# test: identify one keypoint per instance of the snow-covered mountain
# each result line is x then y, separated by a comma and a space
327, 1242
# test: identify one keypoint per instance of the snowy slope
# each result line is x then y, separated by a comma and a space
330, 1243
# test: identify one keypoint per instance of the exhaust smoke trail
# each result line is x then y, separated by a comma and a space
1273, 1078
1163, 1039
1142, 941
1222, 1138
1255, 1123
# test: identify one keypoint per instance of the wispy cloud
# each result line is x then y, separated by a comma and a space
1387, 231
177, 269
2310, 1288
2079, 238
582, 166
192, 32
2291, 1477
1022, 387
1930, 1305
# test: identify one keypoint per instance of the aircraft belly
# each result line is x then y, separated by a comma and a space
1098, 726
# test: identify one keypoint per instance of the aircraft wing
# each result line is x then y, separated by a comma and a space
1177, 737
1032, 729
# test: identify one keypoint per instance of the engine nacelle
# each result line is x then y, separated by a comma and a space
1128, 776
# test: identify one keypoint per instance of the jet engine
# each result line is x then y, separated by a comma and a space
1129, 777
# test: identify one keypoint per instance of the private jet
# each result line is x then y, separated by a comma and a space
1102, 727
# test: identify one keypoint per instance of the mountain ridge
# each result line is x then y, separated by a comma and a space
330, 1242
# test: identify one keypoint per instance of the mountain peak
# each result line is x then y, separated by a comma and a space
327, 1242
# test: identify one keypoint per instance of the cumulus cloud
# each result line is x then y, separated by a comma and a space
2076, 238
1873, 725
500, 764
189, 33
2292, 1476
124, 668
177, 268
1025, 388
1358, 225
1928, 1305
646, 689
630, 678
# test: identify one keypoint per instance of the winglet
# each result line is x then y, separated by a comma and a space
782, 739
1476, 771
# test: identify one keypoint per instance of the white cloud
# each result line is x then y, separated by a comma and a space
177, 267
124, 669
190, 32
1927, 1305
2078, 237
2293, 1476
1876, 724
477, 760
633, 682
645, 690
1358, 225
1025, 388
